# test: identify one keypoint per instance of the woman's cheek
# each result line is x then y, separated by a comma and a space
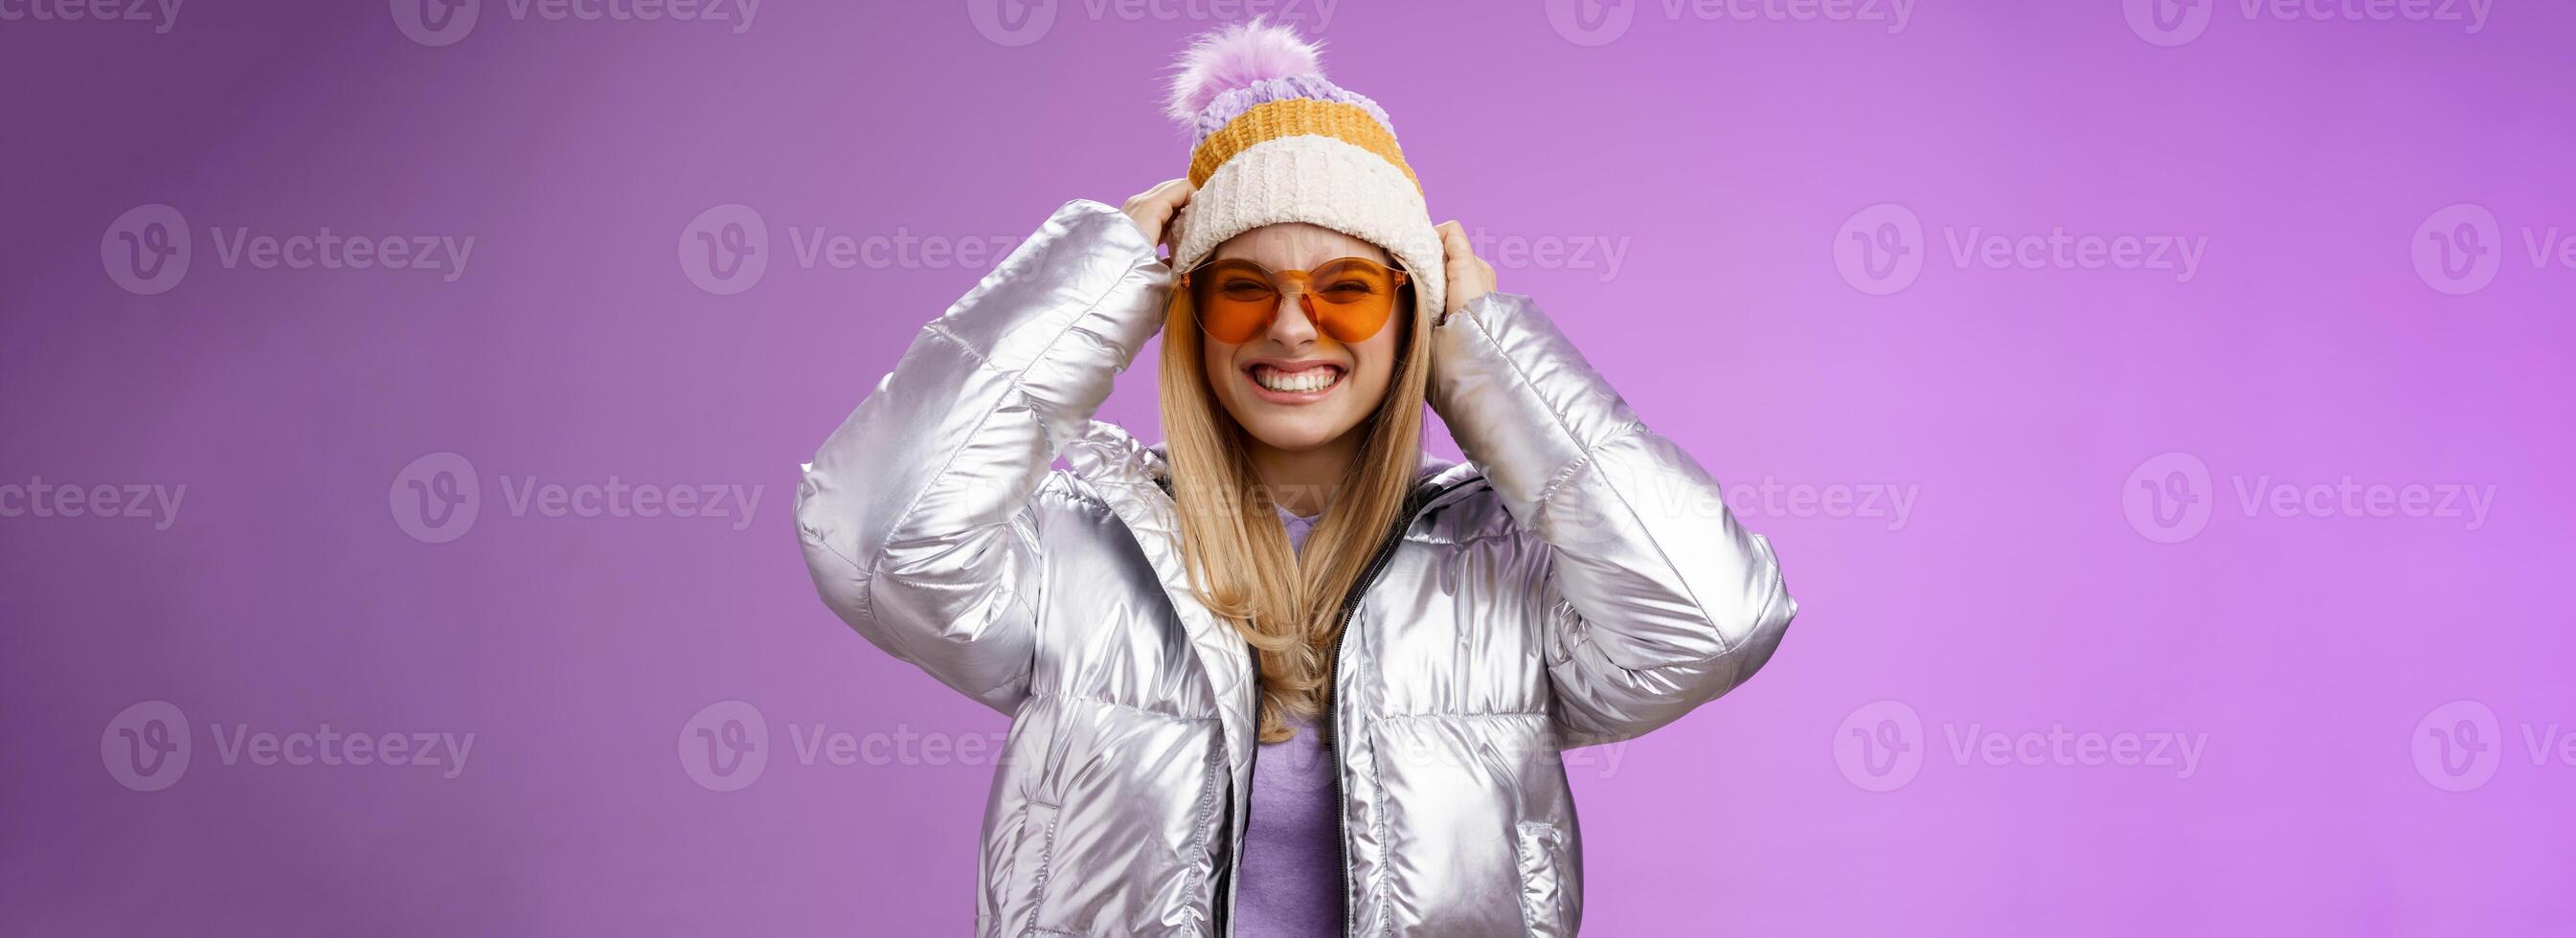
1216, 361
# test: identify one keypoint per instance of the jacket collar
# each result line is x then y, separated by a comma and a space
1128, 477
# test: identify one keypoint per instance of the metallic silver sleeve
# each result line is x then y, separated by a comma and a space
1659, 601
913, 513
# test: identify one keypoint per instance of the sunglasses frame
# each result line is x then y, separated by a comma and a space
1402, 279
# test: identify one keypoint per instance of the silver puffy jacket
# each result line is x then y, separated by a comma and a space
1578, 582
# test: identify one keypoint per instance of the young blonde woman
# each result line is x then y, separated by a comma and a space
1284, 675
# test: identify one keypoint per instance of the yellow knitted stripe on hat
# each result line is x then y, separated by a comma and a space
1275, 119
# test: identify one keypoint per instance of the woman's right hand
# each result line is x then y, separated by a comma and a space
1153, 209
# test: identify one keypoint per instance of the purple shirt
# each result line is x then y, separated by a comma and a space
1290, 884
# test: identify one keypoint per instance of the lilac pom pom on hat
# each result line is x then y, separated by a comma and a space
1273, 142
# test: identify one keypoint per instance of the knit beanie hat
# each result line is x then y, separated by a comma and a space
1273, 142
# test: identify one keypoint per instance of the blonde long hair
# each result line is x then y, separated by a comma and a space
1287, 604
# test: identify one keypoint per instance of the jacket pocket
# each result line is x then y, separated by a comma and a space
1023, 873
1540, 847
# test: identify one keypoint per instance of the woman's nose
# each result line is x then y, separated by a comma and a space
1291, 326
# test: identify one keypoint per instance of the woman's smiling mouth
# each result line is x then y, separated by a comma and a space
1293, 382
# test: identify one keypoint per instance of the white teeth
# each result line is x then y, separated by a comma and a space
1296, 382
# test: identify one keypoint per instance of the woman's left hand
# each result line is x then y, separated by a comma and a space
1469, 276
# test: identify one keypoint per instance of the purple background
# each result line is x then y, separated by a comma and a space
2026, 588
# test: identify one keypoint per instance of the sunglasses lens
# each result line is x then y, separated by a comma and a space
1351, 299
1235, 300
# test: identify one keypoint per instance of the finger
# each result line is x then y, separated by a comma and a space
1453, 242
1169, 190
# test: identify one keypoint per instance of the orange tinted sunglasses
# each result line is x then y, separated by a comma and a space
1349, 298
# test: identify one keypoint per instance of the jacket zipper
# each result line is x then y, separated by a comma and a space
1333, 680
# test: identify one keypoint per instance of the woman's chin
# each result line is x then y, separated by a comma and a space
1293, 434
